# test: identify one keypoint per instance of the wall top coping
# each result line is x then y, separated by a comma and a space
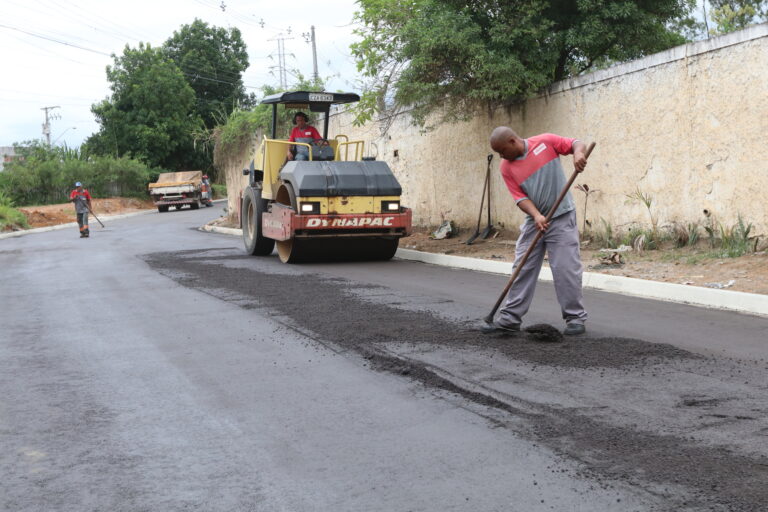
667, 56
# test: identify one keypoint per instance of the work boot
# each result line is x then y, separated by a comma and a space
574, 329
495, 328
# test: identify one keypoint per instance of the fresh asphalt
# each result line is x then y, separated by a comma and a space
156, 367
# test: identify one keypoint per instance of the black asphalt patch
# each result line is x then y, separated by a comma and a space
717, 477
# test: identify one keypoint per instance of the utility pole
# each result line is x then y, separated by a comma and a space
706, 23
314, 56
310, 38
47, 124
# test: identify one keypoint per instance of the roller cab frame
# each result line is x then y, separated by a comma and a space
337, 205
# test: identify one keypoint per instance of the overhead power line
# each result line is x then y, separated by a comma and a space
54, 40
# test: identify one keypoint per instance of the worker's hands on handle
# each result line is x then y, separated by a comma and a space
541, 222
538, 218
579, 156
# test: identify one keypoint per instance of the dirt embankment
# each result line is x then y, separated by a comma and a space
53, 214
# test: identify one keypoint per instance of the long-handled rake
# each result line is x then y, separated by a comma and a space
94, 215
489, 319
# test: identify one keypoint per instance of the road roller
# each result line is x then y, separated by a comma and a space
320, 198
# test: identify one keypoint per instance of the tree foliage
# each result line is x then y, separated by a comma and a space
241, 126
212, 60
732, 15
451, 54
151, 113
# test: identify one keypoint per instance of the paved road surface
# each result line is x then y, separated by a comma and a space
155, 367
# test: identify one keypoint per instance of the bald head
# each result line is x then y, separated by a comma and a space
506, 142
501, 134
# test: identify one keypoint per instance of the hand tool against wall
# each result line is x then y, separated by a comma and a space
486, 190
94, 216
489, 319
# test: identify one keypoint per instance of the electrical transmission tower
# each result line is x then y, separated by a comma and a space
282, 66
47, 124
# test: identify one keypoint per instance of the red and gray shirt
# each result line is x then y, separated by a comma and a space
81, 200
538, 175
306, 133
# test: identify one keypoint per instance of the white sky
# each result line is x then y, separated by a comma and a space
36, 72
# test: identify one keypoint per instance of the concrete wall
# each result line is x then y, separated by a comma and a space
687, 126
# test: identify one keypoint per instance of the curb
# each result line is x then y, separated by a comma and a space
742, 302
23, 232
752, 303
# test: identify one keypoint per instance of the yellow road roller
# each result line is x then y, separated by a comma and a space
320, 199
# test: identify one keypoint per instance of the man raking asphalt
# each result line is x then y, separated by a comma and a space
82, 200
532, 171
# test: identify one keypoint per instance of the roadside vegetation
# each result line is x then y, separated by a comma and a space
690, 243
45, 174
11, 219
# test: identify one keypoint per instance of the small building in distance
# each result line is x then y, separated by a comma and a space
7, 154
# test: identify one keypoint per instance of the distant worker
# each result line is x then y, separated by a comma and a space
82, 200
207, 191
302, 132
532, 171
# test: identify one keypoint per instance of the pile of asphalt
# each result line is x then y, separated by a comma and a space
333, 312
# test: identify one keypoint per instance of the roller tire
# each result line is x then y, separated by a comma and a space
162, 209
293, 250
195, 205
253, 207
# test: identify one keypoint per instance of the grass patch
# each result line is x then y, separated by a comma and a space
12, 219
219, 191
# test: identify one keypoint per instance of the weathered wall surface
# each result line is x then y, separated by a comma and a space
687, 126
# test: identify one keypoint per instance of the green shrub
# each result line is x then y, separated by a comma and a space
606, 238
46, 175
219, 191
11, 219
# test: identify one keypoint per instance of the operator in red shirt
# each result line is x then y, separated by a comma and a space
301, 130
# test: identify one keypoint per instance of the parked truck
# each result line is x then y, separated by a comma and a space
178, 189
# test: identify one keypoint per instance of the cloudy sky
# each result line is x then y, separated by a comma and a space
54, 52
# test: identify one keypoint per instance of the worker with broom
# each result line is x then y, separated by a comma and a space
82, 200
532, 171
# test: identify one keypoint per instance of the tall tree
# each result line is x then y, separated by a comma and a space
732, 15
212, 60
150, 113
453, 54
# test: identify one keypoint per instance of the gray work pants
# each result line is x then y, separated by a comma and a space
82, 221
561, 242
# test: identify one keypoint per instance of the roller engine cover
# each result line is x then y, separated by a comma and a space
330, 179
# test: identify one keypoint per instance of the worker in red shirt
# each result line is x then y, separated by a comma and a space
532, 171
302, 130
82, 200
